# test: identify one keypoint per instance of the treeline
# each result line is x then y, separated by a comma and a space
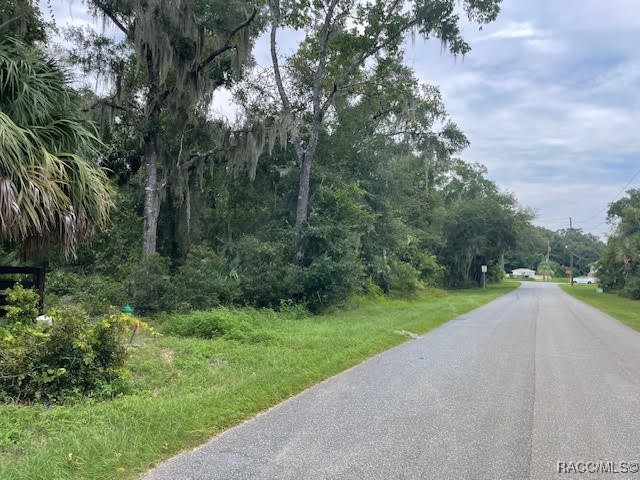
619, 266
550, 252
382, 217
342, 176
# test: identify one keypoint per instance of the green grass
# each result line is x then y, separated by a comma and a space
624, 309
189, 389
560, 280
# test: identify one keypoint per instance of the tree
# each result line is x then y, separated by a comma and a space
343, 37
21, 19
186, 50
529, 250
619, 266
51, 187
545, 268
479, 224
379, 140
585, 248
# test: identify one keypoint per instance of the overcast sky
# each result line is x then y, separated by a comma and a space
549, 98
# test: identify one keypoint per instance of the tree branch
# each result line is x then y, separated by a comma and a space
275, 20
108, 103
228, 45
196, 158
274, 7
416, 133
322, 60
361, 58
112, 16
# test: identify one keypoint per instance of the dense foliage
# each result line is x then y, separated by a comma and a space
62, 356
619, 267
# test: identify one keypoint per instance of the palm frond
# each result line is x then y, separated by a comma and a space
52, 189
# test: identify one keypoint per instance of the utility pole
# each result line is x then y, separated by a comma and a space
570, 255
547, 265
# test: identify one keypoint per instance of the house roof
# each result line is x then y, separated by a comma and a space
522, 270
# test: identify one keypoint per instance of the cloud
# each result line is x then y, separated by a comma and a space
548, 98
224, 106
515, 30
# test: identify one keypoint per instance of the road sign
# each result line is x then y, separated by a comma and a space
484, 269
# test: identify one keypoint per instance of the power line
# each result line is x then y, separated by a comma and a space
622, 190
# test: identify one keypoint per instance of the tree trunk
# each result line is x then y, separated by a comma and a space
151, 195
151, 187
302, 207
305, 158
428, 162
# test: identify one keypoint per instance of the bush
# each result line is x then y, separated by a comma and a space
218, 323
95, 293
329, 280
332, 269
265, 271
204, 280
22, 305
429, 271
71, 356
632, 287
149, 286
404, 279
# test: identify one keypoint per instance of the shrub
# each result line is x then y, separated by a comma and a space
71, 356
94, 292
22, 305
332, 269
404, 278
204, 280
265, 271
329, 280
150, 287
632, 287
429, 271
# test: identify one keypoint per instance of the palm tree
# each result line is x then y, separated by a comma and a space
52, 190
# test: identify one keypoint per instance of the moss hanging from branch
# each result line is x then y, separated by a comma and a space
246, 145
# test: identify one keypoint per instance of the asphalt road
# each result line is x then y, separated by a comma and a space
505, 392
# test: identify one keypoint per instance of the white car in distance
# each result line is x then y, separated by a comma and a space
583, 280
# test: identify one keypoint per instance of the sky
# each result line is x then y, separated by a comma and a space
549, 98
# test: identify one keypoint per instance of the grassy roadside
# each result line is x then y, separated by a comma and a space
624, 309
188, 389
